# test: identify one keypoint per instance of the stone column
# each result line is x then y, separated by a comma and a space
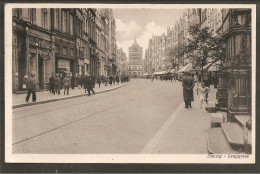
27, 54
52, 54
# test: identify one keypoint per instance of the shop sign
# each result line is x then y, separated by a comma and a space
63, 63
80, 62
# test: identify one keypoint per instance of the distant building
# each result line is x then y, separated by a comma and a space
135, 68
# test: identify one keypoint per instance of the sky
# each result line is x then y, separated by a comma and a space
142, 24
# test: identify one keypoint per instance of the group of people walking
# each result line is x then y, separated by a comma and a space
86, 82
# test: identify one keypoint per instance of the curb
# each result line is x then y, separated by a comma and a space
64, 98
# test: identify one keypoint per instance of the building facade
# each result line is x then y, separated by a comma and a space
135, 68
33, 47
61, 41
121, 62
236, 72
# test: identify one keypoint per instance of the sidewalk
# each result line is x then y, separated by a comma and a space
187, 129
46, 96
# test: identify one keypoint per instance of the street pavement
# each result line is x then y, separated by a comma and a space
46, 96
141, 117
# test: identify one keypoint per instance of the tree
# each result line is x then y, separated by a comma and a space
172, 55
203, 46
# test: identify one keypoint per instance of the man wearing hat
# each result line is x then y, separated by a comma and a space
57, 84
66, 84
188, 85
31, 87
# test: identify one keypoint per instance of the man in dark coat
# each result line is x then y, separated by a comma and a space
88, 84
31, 87
51, 84
122, 79
110, 80
72, 81
188, 85
57, 84
99, 81
114, 79
117, 79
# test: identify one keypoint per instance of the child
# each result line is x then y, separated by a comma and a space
203, 94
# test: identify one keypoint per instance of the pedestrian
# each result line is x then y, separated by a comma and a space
106, 80
51, 84
188, 85
103, 79
88, 84
99, 81
93, 79
114, 80
31, 88
122, 79
57, 84
117, 79
72, 81
79, 82
66, 84
204, 90
110, 80
152, 78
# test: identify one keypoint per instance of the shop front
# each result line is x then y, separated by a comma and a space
86, 65
81, 67
32, 54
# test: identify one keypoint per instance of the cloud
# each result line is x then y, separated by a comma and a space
126, 31
150, 29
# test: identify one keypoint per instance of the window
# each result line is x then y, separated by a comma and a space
71, 52
71, 24
64, 50
56, 18
17, 12
44, 18
57, 48
32, 15
64, 21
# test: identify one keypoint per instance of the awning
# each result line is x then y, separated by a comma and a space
145, 74
173, 70
160, 73
186, 68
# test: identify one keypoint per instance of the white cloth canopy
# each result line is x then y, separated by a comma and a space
186, 68
173, 70
160, 73
145, 74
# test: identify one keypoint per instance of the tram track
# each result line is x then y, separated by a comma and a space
120, 101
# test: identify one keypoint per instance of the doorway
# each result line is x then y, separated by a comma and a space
40, 72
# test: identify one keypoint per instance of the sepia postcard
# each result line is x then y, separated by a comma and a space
130, 83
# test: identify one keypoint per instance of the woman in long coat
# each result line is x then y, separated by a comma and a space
188, 85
